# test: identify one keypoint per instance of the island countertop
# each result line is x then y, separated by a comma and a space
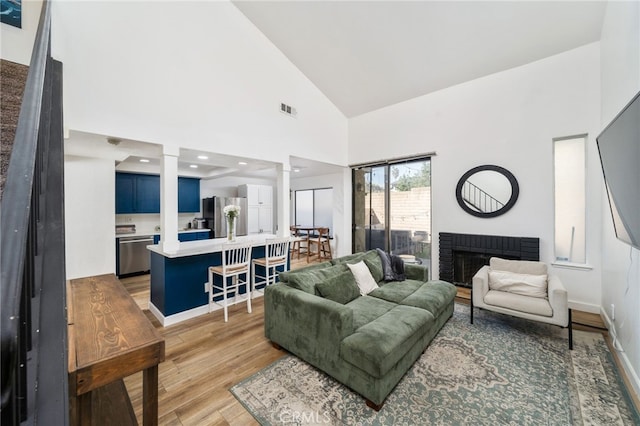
215, 245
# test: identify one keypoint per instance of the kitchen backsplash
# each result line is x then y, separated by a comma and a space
148, 222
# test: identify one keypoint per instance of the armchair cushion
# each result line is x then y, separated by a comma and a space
518, 302
524, 284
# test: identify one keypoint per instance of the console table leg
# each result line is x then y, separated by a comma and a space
84, 409
150, 396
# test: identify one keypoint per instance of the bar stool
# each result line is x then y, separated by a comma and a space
323, 243
276, 252
300, 243
235, 265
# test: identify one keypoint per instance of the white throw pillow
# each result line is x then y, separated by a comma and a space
525, 284
363, 277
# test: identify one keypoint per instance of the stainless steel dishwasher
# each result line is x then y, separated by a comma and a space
134, 256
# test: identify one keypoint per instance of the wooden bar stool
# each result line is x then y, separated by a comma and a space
276, 254
300, 243
235, 274
323, 245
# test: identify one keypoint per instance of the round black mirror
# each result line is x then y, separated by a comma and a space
487, 191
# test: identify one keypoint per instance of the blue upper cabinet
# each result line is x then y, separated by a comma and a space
148, 194
138, 193
188, 195
125, 193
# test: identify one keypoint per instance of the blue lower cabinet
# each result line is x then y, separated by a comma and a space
187, 236
177, 284
202, 235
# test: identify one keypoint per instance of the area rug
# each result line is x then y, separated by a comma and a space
498, 371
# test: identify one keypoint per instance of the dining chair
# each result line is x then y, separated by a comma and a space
276, 255
234, 272
322, 244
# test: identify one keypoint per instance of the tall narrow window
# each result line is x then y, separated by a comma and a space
570, 199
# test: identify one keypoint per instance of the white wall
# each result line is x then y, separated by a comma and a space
620, 53
16, 44
508, 119
341, 185
89, 205
193, 74
196, 75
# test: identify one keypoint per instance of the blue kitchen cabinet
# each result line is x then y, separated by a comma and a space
140, 193
188, 195
186, 236
202, 235
137, 193
148, 194
125, 193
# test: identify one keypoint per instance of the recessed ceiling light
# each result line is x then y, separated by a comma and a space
296, 170
202, 157
242, 163
144, 160
193, 166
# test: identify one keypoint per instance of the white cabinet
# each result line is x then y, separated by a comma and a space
259, 207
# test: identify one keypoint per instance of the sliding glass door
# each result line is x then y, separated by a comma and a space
392, 209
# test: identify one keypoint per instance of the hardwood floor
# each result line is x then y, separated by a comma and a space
205, 356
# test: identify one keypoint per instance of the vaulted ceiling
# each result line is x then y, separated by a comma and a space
365, 55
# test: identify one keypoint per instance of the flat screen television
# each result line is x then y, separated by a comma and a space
619, 147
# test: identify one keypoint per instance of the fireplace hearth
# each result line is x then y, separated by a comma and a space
462, 255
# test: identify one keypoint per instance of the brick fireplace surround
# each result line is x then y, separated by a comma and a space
461, 255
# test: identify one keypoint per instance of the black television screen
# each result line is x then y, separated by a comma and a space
619, 147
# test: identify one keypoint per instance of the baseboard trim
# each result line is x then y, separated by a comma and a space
191, 313
622, 359
585, 307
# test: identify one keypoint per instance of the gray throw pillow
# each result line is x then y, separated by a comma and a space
341, 288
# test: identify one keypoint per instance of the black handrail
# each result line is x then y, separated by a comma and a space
32, 318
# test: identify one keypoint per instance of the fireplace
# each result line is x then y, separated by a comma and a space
462, 255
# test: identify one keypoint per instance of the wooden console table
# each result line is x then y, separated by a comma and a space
109, 338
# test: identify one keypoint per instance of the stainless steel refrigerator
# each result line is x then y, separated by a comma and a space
212, 212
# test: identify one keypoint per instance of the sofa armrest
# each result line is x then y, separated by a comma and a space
416, 272
558, 299
480, 283
307, 325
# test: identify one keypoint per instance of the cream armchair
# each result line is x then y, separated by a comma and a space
522, 289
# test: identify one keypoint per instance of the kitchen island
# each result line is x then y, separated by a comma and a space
178, 280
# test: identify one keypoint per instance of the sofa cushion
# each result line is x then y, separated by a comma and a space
366, 309
524, 284
376, 270
341, 288
518, 302
377, 346
284, 275
357, 257
396, 291
433, 296
306, 280
363, 277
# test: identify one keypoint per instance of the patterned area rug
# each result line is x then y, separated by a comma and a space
498, 371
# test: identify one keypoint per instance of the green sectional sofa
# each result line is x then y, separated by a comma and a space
365, 342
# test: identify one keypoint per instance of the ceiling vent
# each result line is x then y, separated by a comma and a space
288, 109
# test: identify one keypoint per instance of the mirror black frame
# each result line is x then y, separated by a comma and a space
515, 190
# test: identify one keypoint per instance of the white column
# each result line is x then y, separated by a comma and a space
283, 201
169, 199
